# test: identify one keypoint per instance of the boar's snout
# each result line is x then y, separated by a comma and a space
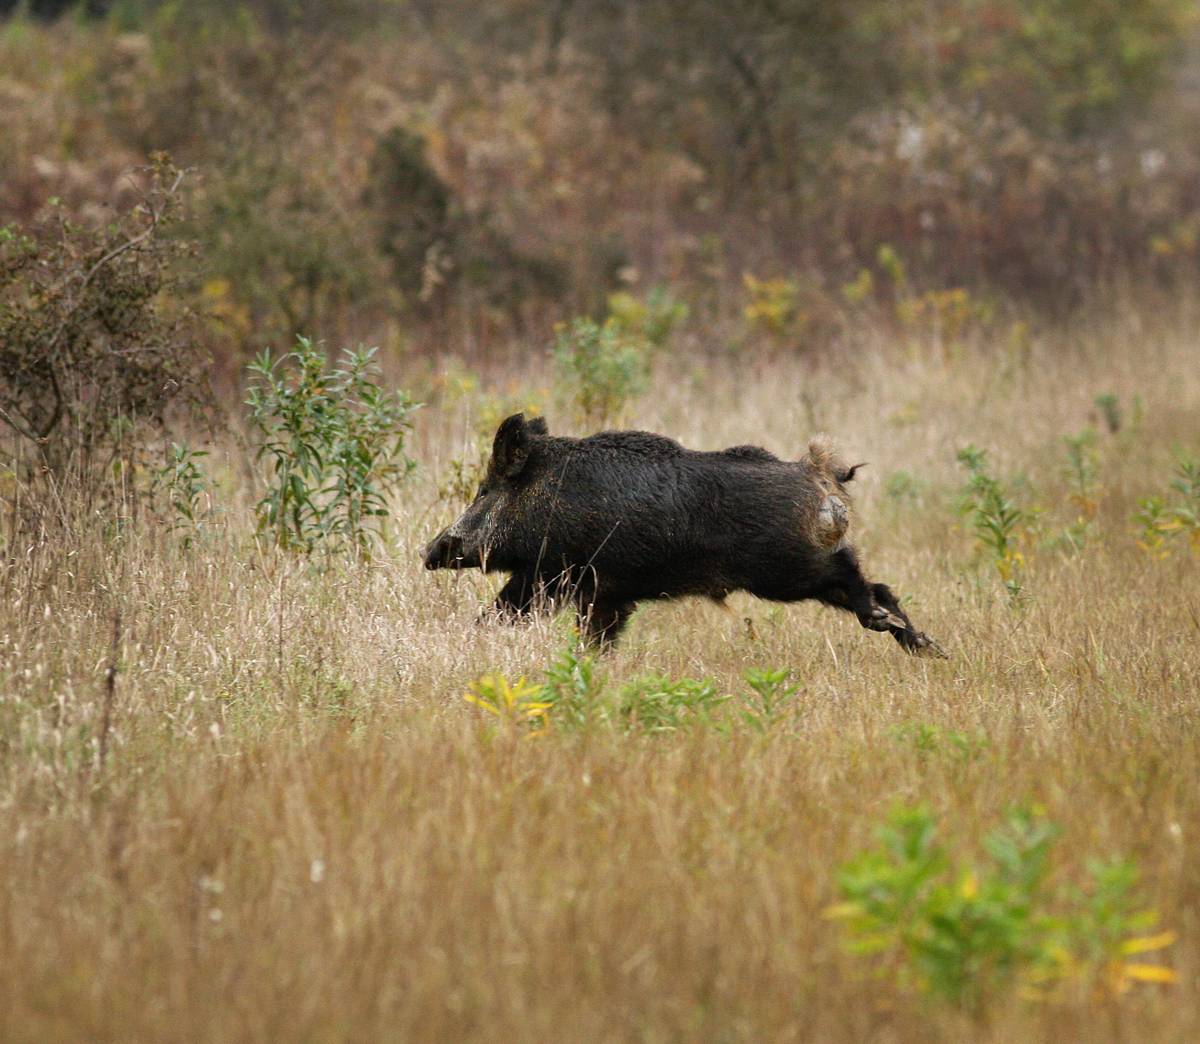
444, 552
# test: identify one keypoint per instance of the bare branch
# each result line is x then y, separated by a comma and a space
73, 307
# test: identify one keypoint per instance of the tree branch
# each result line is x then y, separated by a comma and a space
77, 298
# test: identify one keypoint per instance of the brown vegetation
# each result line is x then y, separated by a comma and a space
242, 795
303, 830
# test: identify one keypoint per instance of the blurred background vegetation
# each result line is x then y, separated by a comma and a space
422, 176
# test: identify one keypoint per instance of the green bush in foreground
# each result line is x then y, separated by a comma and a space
963, 931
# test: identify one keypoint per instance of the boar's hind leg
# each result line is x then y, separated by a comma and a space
601, 622
874, 604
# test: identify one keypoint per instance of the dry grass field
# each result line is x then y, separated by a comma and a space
284, 822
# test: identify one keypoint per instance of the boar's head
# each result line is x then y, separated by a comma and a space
489, 534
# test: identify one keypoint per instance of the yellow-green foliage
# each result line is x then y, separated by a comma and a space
962, 932
600, 367
996, 519
653, 317
1161, 520
773, 306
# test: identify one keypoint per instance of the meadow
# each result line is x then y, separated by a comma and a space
242, 795
264, 777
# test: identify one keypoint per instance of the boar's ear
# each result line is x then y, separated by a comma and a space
537, 426
511, 448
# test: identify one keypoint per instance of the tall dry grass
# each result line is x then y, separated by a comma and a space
301, 831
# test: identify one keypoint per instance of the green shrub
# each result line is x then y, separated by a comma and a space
653, 318
1081, 472
572, 690
602, 367
655, 703
772, 698
903, 485
994, 516
928, 739
966, 931
1161, 519
578, 698
1186, 511
279, 239
1153, 519
186, 488
335, 442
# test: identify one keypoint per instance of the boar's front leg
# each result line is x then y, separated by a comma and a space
515, 599
523, 594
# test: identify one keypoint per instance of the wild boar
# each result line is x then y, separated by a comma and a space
620, 517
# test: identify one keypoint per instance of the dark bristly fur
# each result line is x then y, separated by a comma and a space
622, 517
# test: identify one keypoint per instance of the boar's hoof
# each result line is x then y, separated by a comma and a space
881, 619
920, 644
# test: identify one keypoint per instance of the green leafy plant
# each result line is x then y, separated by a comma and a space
185, 486
1160, 520
572, 691
1082, 475
903, 486
996, 519
601, 366
772, 698
577, 698
652, 318
334, 440
656, 704
928, 739
1153, 519
965, 931
1185, 514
